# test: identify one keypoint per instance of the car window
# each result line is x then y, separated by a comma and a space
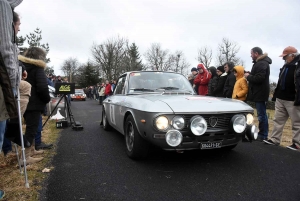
120, 85
152, 81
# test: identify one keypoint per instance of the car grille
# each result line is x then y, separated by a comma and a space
222, 123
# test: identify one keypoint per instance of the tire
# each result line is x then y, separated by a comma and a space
84, 99
136, 147
71, 99
105, 123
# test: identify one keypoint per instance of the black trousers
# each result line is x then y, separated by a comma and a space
32, 119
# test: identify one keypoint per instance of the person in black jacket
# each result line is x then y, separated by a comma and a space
230, 80
213, 80
284, 96
259, 88
34, 62
222, 76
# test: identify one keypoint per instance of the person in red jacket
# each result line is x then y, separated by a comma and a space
107, 91
202, 79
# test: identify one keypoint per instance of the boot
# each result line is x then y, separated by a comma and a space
34, 151
29, 159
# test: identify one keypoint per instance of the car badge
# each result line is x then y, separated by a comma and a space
213, 121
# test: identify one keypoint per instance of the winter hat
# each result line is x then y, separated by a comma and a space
194, 69
288, 50
221, 68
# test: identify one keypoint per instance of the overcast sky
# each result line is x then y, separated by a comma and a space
72, 26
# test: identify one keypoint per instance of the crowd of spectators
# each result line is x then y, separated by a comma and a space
230, 81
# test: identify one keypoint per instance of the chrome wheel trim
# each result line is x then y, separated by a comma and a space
104, 119
129, 136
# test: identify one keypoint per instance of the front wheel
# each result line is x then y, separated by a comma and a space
136, 146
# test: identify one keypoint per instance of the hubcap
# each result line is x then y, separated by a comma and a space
129, 136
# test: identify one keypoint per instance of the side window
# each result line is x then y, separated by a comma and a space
120, 85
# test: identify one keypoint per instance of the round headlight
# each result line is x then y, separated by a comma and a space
162, 123
198, 125
250, 119
173, 138
239, 123
178, 122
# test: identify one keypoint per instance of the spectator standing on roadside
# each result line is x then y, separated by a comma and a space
101, 91
9, 61
222, 75
240, 89
202, 79
259, 88
107, 90
34, 61
113, 85
230, 80
286, 104
213, 80
194, 72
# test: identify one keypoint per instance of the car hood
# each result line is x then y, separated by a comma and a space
203, 104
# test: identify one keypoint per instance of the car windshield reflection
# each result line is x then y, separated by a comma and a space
157, 82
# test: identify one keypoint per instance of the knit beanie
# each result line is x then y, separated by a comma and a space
221, 68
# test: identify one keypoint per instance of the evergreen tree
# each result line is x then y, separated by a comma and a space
134, 62
88, 75
49, 70
34, 40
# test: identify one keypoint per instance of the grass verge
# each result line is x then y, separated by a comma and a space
13, 183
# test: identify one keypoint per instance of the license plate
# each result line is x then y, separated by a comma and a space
211, 145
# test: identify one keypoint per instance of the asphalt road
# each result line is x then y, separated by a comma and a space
92, 165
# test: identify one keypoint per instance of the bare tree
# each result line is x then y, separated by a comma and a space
227, 51
70, 67
157, 58
205, 56
180, 64
109, 57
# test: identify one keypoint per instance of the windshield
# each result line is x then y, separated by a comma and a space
158, 82
78, 91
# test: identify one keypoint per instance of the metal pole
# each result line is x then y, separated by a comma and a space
17, 153
21, 131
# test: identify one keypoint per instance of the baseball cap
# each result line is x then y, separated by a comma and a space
288, 50
194, 69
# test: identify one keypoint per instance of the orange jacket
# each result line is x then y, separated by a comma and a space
240, 89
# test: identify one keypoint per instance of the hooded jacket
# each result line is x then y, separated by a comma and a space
240, 89
8, 60
291, 91
202, 79
259, 86
39, 85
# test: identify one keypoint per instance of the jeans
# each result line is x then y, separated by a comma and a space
38, 136
6, 147
2, 131
263, 125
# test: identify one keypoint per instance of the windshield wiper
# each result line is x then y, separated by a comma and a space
141, 89
168, 88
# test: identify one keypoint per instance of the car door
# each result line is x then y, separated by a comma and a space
116, 104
